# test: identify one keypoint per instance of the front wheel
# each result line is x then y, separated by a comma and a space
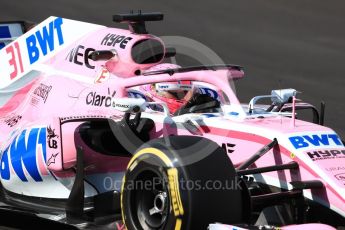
185, 184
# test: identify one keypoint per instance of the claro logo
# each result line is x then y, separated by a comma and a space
96, 99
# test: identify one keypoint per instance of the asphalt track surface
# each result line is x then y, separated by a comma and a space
281, 43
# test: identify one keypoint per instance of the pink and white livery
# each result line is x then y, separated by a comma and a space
85, 134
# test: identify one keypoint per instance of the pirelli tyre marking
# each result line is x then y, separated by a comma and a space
152, 151
121, 200
178, 224
175, 192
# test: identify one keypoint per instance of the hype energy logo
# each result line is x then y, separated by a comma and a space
44, 41
26, 156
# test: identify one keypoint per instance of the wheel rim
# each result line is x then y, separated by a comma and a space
150, 200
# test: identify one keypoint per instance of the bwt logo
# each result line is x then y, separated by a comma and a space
315, 140
39, 42
23, 154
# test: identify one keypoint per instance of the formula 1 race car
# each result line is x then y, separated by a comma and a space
96, 131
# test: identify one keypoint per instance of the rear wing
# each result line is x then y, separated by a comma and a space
22, 51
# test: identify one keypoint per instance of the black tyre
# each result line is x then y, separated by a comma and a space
171, 184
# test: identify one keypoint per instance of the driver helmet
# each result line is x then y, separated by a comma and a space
174, 94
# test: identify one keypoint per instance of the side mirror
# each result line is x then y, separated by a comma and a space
282, 96
278, 97
129, 105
